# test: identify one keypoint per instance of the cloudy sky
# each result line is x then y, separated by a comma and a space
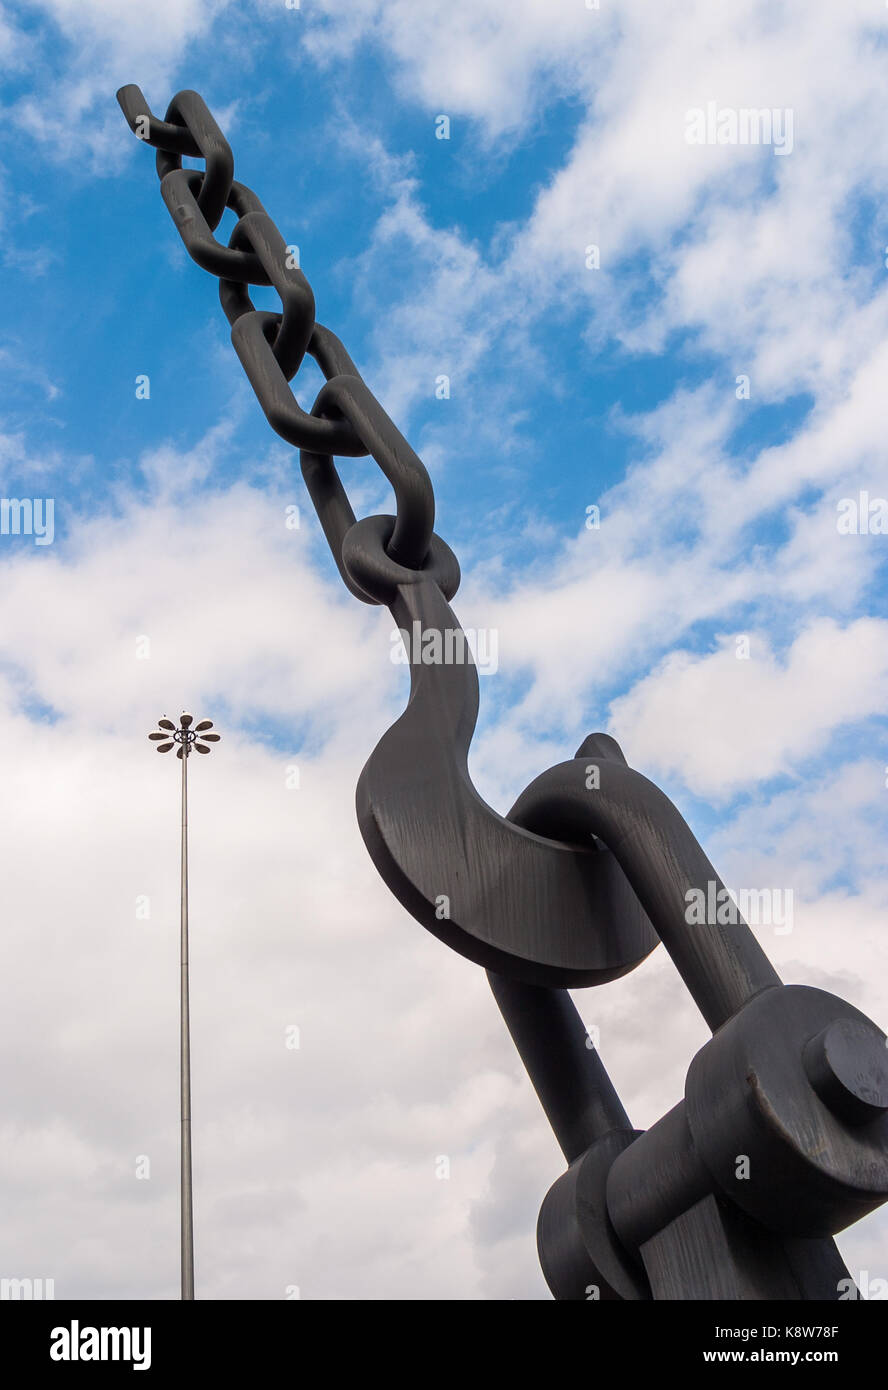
710, 375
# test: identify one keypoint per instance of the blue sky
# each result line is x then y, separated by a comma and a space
570, 387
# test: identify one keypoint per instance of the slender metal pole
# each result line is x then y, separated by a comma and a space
185, 1058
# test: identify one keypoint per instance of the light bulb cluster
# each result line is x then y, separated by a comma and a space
186, 734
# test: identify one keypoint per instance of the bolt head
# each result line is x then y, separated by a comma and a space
847, 1064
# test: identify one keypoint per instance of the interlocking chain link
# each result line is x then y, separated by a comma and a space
346, 418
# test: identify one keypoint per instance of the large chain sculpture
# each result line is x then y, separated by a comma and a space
781, 1139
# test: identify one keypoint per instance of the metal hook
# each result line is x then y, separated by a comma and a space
523, 905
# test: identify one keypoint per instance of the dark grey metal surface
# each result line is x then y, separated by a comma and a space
518, 902
781, 1138
722, 965
568, 1075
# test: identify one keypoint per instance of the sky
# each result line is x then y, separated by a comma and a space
688, 337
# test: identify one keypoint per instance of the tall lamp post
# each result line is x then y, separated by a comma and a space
188, 736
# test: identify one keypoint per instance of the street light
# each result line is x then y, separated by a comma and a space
188, 736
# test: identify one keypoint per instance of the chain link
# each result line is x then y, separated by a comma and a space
346, 417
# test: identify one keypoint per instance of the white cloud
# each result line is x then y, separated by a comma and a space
479, 59
727, 720
104, 45
306, 1161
